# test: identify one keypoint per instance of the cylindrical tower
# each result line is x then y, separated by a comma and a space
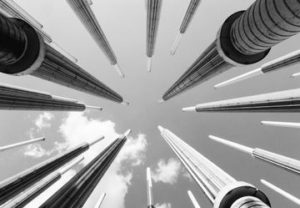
24, 52
14, 185
282, 101
222, 190
76, 191
246, 37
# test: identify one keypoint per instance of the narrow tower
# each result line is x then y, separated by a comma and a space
222, 190
272, 66
17, 98
185, 23
31, 193
14, 185
281, 161
246, 37
77, 190
282, 101
153, 15
149, 190
21, 144
83, 10
24, 52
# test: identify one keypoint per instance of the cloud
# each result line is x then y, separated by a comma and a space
77, 128
164, 205
36, 151
167, 172
43, 120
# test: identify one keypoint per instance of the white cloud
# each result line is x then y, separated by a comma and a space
43, 120
164, 205
77, 128
167, 172
36, 151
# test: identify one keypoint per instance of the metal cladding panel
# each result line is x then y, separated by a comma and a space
189, 15
88, 19
286, 163
208, 65
16, 184
153, 15
76, 191
57, 68
265, 24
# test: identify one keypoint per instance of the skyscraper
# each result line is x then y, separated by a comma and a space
24, 52
83, 10
77, 190
17, 98
282, 101
14, 185
153, 15
149, 189
221, 189
21, 144
246, 37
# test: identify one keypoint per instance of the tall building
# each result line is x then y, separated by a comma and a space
282, 101
83, 10
24, 52
24, 198
221, 189
21, 144
14, 185
17, 98
149, 189
281, 124
185, 23
281, 161
77, 190
153, 15
246, 37
277, 64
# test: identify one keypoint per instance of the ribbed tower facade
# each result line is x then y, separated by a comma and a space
14, 185
282, 101
16, 98
76, 191
83, 10
153, 15
246, 37
221, 189
24, 52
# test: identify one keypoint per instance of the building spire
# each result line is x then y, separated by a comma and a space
21, 144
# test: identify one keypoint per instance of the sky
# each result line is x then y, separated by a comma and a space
124, 23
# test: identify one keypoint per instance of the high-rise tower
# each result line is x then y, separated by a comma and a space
17, 98
153, 15
246, 37
83, 10
77, 190
222, 190
149, 189
24, 52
